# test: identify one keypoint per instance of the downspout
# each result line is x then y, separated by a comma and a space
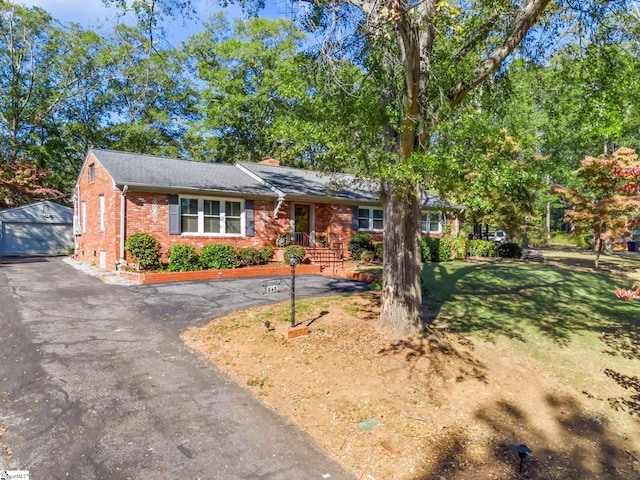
276, 208
259, 179
123, 223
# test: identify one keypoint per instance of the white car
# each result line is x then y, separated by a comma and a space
497, 236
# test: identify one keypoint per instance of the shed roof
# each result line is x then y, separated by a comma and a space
39, 212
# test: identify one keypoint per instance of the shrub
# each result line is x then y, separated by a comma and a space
218, 256
296, 250
459, 247
482, 248
144, 249
266, 254
510, 250
429, 248
249, 256
445, 248
183, 258
378, 250
358, 244
367, 256
437, 249
376, 286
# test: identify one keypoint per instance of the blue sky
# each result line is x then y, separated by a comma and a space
94, 14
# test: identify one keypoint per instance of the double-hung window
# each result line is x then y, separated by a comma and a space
431, 222
210, 216
370, 219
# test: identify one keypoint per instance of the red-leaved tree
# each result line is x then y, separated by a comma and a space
21, 183
630, 176
605, 202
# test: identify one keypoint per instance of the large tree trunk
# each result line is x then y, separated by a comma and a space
401, 309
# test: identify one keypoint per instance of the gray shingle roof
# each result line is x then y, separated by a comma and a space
153, 172
308, 183
159, 172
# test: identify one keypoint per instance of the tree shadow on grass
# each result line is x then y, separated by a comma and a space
520, 301
569, 443
517, 299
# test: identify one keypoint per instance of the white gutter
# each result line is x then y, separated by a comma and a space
123, 223
281, 195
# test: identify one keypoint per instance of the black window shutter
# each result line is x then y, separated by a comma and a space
174, 215
250, 224
354, 217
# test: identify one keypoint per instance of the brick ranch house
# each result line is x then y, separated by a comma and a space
118, 194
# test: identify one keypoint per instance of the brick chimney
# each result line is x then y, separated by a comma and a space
270, 161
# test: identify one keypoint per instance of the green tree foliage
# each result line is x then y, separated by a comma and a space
147, 96
251, 75
46, 68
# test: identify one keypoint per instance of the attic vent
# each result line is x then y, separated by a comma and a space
270, 161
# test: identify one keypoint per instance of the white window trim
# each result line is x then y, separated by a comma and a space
370, 227
429, 214
201, 232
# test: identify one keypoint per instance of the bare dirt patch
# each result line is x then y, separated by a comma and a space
442, 407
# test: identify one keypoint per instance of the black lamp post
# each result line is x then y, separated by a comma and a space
523, 451
292, 261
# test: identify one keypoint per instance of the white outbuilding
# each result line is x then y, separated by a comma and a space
42, 228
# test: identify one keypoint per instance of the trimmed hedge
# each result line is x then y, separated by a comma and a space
183, 258
254, 256
378, 250
481, 248
266, 254
296, 250
144, 249
218, 256
358, 243
248, 256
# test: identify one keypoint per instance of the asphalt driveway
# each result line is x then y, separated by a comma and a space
95, 382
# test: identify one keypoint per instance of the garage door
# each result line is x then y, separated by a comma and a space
36, 238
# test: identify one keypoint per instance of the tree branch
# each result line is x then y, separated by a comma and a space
526, 17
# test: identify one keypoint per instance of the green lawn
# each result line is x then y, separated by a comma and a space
523, 299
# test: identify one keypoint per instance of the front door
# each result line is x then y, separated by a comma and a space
301, 223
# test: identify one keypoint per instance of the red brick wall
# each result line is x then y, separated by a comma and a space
149, 213
92, 242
